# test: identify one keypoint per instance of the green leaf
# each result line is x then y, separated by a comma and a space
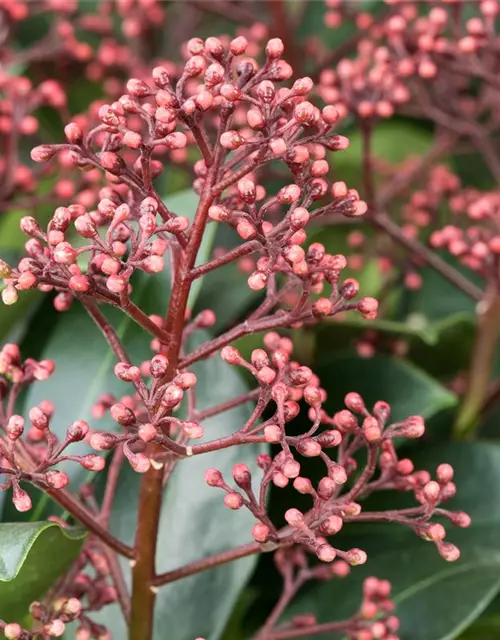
184, 203
195, 523
32, 557
392, 141
406, 388
435, 600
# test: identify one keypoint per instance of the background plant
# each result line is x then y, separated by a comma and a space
212, 217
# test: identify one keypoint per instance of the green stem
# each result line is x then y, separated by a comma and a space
488, 331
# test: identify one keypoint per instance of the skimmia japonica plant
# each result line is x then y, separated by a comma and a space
259, 141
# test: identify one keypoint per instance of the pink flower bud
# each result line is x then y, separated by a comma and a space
233, 500
147, 432
272, 433
332, 525
291, 469
54, 628
20, 499
231, 140
238, 46
309, 447
356, 557
448, 551
39, 418
337, 473
260, 532
73, 133
326, 553
231, 355
330, 114
431, 492
312, 395
79, 283
56, 479
303, 485
275, 48
15, 427
77, 430
413, 427
214, 478
444, 473
138, 88
12, 631
242, 476
64, 253
193, 430
122, 414
9, 295
354, 402
294, 518
266, 376
288, 194
158, 366
42, 153
461, 519
138, 461
304, 113
103, 441
322, 307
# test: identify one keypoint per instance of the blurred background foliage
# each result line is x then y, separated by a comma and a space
409, 358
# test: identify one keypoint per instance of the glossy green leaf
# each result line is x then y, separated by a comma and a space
393, 141
32, 557
435, 600
406, 388
195, 523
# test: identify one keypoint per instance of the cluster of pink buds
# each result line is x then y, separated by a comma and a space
285, 382
31, 458
404, 51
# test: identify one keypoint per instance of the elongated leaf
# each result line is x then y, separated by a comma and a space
195, 524
32, 557
406, 388
435, 600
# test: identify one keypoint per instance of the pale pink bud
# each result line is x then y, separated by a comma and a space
326, 553
147, 432
448, 551
294, 518
445, 473
231, 355
12, 631
238, 46
272, 433
9, 295
77, 431
356, 557
231, 140
260, 532
431, 492
303, 485
15, 427
257, 281
20, 499
42, 153
138, 461
56, 479
64, 253
214, 478
275, 48
233, 500
332, 525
